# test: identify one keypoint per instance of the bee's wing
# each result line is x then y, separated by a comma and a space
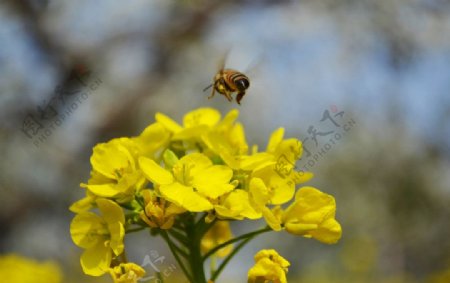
255, 65
220, 67
222, 60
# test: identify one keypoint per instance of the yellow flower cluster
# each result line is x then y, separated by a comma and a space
204, 167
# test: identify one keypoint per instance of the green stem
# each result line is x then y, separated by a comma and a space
229, 257
194, 233
179, 236
123, 257
242, 237
160, 278
202, 218
212, 265
178, 227
173, 249
180, 251
135, 229
131, 214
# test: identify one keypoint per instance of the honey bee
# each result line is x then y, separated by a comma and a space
229, 81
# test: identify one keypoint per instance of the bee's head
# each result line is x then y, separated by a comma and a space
242, 84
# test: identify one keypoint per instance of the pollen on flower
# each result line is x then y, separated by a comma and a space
182, 173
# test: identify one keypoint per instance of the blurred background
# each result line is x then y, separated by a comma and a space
365, 84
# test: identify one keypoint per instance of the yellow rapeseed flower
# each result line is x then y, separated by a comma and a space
193, 182
152, 141
114, 171
83, 204
312, 216
280, 181
227, 138
18, 269
195, 123
269, 267
236, 205
273, 182
158, 212
127, 273
100, 236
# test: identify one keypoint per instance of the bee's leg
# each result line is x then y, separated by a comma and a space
228, 96
208, 87
212, 93
214, 88
239, 97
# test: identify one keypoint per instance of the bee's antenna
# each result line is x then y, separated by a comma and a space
208, 87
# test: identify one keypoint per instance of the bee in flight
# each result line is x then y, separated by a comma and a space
229, 81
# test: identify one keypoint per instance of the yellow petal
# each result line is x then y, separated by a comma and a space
253, 162
329, 232
214, 191
201, 116
111, 211
271, 219
228, 120
185, 197
237, 206
232, 161
312, 215
213, 181
87, 229
105, 190
301, 176
168, 224
109, 157
117, 232
154, 172
258, 192
98, 178
274, 256
82, 205
291, 149
195, 163
275, 140
174, 209
189, 133
315, 203
168, 123
237, 138
152, 139
282, 191
300, 229
216, 142
96, 261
